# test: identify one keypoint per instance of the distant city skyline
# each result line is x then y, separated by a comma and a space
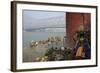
35, 19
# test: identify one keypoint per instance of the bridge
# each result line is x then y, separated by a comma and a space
41, 28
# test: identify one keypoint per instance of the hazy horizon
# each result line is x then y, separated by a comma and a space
43, 19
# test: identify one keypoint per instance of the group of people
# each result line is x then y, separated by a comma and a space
51, 41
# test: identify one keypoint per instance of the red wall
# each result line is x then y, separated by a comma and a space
74, 20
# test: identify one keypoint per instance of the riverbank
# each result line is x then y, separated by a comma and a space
31, 54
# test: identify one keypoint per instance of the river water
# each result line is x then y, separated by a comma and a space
37, 36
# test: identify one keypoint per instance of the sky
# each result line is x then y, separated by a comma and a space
34, 19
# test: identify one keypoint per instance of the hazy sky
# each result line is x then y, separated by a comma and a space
32, 19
